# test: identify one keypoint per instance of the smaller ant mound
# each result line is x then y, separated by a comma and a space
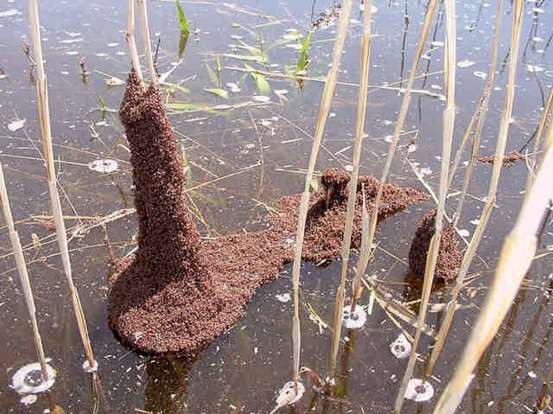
449, 256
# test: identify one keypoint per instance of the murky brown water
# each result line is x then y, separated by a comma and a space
241, 370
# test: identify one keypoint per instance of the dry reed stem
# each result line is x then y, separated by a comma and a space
478, 118
145, 33
430, 11
23, 274
324, 109
131, 39
352, 189
46, 135
544, 121
450, 65
516, 257
492, 191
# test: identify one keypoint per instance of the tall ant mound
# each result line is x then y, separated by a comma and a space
449, 256
177, 293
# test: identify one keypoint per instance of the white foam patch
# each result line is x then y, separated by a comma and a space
28, 379
419, 390
355, 319
288, 394
103, 166
401, 347
90, 369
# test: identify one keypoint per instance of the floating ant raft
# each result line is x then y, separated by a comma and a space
179, 292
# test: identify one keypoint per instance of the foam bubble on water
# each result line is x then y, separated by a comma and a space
355, 319
288, 394
103, 166
401, 347
283, 297
419, 390
465, 63
90, 369
534, 68
480, 74
28, 399
28, 379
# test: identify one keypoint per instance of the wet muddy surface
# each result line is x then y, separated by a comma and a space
245, 150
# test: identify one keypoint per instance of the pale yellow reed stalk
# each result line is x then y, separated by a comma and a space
478, 118
492, 189
430, 11
324, 109
145, 33
46, 134
515, 259
23, 274
352, 190
450, 65
544, 122
131, 39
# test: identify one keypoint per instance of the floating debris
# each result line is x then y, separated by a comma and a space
509, 159
480, 74
464, 233
534, 68
113, 81
28, 379
465, 63
9, 13
283, 297
419, 390
290, 393
103, 166
355, 319
261, 98
327, 17
28, 399
401, 347
16, 125
374, 9
233, 87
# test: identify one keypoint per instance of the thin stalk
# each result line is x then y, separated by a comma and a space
450, 65
46, 134
131, 39
145, 33
324, 109
352, 190
478, 118
23, 274
515, 259
430, 11
545, 120
492, 190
